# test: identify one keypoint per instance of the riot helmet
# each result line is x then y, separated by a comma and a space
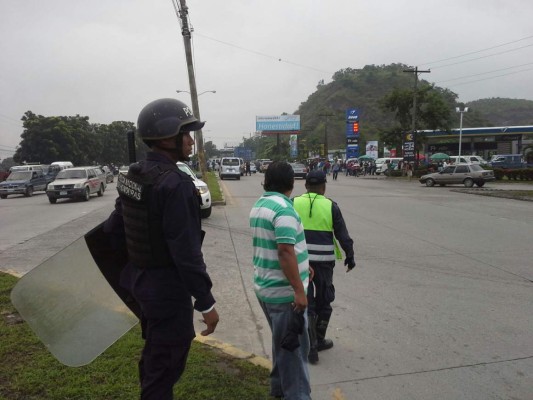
166, 118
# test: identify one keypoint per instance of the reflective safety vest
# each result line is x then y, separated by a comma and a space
316, 214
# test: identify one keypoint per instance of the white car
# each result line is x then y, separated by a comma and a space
79, 182
205, 208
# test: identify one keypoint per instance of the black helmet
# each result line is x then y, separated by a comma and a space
165, 118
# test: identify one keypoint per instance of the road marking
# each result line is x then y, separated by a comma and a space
338, 395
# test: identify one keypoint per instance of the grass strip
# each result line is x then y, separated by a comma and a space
28, 371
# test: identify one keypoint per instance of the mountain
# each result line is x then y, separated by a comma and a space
504, 112
365, 89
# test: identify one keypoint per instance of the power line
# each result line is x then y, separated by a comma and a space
479, 58
484, 73
477, 51
492, 77
279, 59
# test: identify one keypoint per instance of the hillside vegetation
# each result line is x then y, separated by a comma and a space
366, 88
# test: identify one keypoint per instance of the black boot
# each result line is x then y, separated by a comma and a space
313, 351
322, 342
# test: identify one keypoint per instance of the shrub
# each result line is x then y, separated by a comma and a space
498, 173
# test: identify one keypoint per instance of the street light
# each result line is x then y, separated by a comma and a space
458, 109
199, 94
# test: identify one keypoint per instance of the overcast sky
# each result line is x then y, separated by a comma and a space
107, 59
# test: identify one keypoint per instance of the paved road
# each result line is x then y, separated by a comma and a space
438, 307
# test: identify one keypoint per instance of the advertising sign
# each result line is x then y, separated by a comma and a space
352, 140
352, 133
352, 152
352, 114
409, 148
277, 123
372, 149
293, 143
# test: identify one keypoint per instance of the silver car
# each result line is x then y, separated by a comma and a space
300, 170
466, 174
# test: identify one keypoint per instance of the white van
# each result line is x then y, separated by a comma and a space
468, 160
230, 167
382, 164
63, 164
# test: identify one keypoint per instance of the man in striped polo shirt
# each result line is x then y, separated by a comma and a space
281, 277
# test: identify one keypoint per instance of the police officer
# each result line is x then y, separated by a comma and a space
323, 225
158, 210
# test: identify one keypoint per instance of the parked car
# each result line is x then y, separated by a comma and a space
203, 189
110, 177
230, 167
300, 170
264, 165
466, 174
253, 168
507, 161
79, 182
24, 182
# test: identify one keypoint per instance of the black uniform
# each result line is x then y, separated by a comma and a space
158, 213
323, 279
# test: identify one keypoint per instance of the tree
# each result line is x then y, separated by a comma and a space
434, 111
114, 143
49, 139
210, 150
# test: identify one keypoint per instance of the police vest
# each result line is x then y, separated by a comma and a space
315, 211
144, 234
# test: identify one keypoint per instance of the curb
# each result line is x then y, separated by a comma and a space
234, 351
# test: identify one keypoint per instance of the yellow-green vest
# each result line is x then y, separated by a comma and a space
316, 214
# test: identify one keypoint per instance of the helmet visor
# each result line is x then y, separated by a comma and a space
193, 126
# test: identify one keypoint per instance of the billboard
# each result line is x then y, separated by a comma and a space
352, 133
293, 144
372, 149
409, 147
277, 123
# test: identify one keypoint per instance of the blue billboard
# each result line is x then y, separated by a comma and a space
277, 123
352, 133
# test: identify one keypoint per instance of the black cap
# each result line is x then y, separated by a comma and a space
315, 177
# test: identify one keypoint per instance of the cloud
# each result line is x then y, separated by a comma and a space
108, 59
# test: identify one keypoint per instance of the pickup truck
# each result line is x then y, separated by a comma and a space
24, 182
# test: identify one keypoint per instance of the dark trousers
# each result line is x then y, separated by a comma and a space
160, 367
321, 293
164, 355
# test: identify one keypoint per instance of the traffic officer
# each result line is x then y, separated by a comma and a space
323, 225
158, 210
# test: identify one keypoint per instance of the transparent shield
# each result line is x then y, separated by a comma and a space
70, 306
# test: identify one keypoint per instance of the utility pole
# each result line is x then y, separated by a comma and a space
186, 33
416, 72
326, 133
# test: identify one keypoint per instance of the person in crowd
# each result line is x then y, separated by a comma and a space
157, 214
409, 170
247, 168
323, 225
281, 278
336, 169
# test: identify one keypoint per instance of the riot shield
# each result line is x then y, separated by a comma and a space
70, 305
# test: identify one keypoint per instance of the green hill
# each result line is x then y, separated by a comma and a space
503, 112
365, 89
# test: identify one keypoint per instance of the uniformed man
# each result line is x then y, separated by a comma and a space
158, 210
323, 225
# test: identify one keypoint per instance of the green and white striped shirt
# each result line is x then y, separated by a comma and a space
273, 220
